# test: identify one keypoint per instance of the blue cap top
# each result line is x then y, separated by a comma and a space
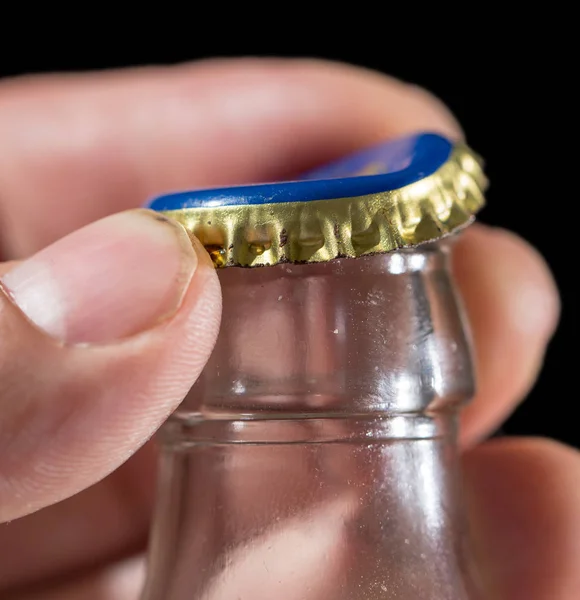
387, 166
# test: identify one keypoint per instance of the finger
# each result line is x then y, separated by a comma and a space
76, 148
513, 306
523, 496
102, 334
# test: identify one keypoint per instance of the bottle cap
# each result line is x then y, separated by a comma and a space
395, 195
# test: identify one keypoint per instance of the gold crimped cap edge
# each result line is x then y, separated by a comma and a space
321, 230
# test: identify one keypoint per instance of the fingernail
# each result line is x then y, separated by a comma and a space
112, 279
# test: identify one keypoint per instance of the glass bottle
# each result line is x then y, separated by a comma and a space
316, 457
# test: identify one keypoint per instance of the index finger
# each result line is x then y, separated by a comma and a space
76, 148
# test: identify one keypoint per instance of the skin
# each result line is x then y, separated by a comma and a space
77, 148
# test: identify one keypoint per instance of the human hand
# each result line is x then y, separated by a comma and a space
122, 344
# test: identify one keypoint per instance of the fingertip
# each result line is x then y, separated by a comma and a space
416, 108
524, 276
513, 305
72, 413
197, 323
117, 138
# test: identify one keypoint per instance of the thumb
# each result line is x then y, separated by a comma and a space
101, 336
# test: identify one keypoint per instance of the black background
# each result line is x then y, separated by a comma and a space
493, 78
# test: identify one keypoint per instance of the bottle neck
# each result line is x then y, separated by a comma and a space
374, 335
315, 459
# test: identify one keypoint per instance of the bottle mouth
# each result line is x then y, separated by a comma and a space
394, 195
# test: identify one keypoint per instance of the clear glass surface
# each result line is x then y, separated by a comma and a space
316, 457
